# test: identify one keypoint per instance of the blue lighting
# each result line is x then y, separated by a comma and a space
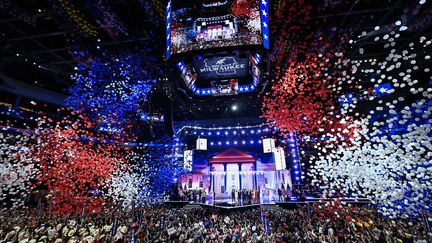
243, 132
251, 142
211, 143
218, 133
252, 131
243, 142
235, 142
209, 133
234, 132
219, 143
265, 23
226, 133
227, 143
168, 29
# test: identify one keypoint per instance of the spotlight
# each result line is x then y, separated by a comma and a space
234, 107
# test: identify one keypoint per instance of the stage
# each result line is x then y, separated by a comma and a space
228, 205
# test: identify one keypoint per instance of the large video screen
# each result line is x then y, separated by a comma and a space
224, 87
221, 67
198, 24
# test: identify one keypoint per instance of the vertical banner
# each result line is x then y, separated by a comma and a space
162, 223
114, 227
140, 217
132, 235
168, 29
133, 210
265, 29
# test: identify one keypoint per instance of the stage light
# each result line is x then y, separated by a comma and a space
259, 130
252, 131
226, 133
209, 133
202, 134
251, 142
234, 107
219, 143
235, 132
243, 142
194, 133
212, 143
235, 142
218, 133
227, 143
259, 141
243, 132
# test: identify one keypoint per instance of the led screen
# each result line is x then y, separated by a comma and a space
222, 67
197, 24
224, 87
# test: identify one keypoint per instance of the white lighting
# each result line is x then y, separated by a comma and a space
234, 107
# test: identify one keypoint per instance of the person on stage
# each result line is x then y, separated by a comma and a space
233, 195
280, 195
203, 196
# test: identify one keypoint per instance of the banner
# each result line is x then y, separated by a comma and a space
221, 67
114, 227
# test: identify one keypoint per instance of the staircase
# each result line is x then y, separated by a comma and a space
192, 206
271, 206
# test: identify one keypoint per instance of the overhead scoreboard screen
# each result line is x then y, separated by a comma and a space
203, 24
221, 67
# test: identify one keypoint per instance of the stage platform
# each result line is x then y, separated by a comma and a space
226, 205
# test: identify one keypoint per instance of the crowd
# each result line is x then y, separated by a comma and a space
162, 224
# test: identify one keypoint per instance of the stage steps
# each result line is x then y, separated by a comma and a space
192, 206
270, 206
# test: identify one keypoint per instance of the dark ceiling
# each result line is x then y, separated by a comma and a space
40, 54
